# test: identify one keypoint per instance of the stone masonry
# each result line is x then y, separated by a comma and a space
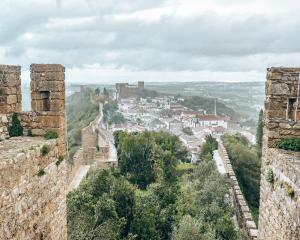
242, 210
47, 101
279, 217
34, 175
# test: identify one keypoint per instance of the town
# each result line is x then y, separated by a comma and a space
164, 112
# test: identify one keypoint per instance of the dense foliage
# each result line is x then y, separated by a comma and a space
259, 134
80, 112
110, 114
292, 144
188, 131
151, 196
246, 165
208, 104
15, 129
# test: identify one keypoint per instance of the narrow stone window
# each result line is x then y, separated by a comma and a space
45, 97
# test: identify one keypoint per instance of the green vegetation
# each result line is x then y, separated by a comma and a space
289, 190
188, 131
45, 149
15, 129
269, 175
208, 104
292, 144
110, 115
246, 165
259, 134
152, 195
80, 112
51, 135
41, 172
59, 161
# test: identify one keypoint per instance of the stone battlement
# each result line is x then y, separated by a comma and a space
243, 212
47, 100
279, 213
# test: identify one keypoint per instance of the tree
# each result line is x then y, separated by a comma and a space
105, 93
97, 91
259, 134
190, 227
15, 129
188, 131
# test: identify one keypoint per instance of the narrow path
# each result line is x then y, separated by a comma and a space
219, 163
80, 174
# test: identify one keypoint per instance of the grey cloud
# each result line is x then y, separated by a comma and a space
205, 42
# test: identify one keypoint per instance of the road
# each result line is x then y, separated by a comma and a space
79, 175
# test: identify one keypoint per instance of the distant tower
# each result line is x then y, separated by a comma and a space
215, 107
10, 89
141, 85
48, 99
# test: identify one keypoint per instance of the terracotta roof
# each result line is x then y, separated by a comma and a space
209, 117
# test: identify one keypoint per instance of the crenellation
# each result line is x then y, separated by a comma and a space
279, 215
34, 183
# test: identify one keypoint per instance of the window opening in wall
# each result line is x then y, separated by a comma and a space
45, 96
292, 109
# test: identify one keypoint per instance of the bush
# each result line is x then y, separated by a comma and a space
29, 133
51, 135
60, 159
16, 129
41, 172
45, 150
289, 190
292, 144
269, 175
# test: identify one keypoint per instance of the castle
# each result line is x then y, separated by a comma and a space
279, 213
124, 90
34, 174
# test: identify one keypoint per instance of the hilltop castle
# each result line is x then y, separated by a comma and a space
124, 90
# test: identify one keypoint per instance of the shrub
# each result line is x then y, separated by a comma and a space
292, 144
15, 129
41, 172
51, 135
45, 150
269, 175
60, 159
29, 133
289, 190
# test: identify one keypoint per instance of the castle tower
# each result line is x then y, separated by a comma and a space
141, 85
48, 99
10, 89
279, 213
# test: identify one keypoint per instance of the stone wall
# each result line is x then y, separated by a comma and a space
32, 202
279, 216
10, 89
124, 90
243, 213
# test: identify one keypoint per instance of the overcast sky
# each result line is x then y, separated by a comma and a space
152, 40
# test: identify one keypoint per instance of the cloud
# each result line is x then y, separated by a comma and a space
152, 35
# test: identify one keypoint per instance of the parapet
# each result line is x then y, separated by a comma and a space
282, 107
10, 89
47, 100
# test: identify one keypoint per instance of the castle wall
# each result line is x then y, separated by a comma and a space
124, 90
279, 214
242, 210
10, 89
33, 206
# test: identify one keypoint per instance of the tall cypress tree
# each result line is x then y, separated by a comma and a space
15, 129
259, 133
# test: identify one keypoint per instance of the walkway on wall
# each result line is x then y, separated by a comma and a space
79, 175
242, 210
